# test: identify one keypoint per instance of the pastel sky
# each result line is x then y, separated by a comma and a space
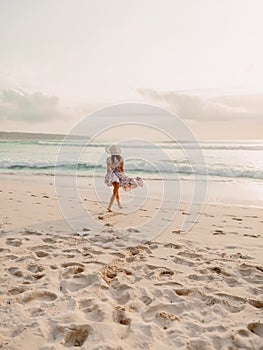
202, 59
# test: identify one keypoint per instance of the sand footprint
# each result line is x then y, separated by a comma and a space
145, 299
218, 232
109, 273
137, 253
77, 336
49, 240
119, 316
35, 268
4, 251
72, 270
184, 291
165, 318
219, 270
15, 271
162, 313
165, 274
39, 295
251, 273
121, 292
17, 290
92, 310
119, 255
15, 242
71, 250
183, 261
173, 246
256, 303
94, 314
79, 281
251, 235
233, 303
41, 253
31, 233
256, 328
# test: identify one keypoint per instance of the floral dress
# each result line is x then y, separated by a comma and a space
117, 175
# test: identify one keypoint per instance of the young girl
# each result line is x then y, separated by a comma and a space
116, 177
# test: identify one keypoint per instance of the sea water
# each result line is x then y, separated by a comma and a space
235, 168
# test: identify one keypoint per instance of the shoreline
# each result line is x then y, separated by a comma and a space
229, 193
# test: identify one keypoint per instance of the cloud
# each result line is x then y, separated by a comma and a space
18, 105
220, 108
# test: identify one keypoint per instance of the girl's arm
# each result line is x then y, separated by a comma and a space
108, 168
122, 166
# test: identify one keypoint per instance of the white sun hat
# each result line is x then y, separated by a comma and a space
113, 150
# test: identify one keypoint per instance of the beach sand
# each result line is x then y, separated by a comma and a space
114, 289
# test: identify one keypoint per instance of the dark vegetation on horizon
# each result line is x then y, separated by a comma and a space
5, 135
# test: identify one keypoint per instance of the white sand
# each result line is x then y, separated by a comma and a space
105, 290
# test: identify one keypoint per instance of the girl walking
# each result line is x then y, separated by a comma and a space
116, 177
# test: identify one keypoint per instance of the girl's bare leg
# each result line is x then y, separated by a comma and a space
116, 194
111, 202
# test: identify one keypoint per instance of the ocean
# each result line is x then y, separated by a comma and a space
232, 162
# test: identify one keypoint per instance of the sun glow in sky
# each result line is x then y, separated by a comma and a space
68, 58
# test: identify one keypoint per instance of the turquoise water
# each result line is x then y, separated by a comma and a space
225, 161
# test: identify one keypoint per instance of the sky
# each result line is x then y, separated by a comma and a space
61, 60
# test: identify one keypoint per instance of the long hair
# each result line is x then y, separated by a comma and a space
115, 156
